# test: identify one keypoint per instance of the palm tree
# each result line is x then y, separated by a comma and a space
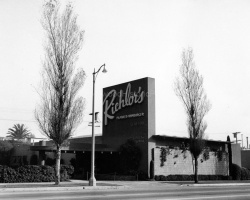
19, 131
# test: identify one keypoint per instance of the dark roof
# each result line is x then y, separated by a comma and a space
182, 138
74, 147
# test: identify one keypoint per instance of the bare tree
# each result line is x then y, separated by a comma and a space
189, 88
60, 110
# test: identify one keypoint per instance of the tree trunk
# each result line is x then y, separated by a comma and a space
152, 170
58, 158
229, 155
196, 170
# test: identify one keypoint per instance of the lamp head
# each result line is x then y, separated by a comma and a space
104, 69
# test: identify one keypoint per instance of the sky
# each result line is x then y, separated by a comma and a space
136, 39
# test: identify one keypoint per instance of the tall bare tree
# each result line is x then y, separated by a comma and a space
189, 88
60, 110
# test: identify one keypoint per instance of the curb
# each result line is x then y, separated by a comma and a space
40, 189
218, 184
62, 188
105, 187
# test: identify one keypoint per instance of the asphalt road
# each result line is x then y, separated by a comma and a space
174, 192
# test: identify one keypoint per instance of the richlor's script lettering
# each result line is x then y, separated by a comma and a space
125, 99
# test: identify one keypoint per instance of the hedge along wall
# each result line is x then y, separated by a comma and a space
180, 163
33, 173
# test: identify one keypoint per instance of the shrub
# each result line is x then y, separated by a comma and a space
157, 178
162, 178
213, 177
236, 172
66, 172
245, 174
33, 173
239, 173
7, 172
203, 177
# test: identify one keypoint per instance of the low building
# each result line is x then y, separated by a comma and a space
129, 113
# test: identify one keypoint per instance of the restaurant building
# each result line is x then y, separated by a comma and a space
129, 113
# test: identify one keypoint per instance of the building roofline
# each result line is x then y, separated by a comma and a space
185, 138
85, 136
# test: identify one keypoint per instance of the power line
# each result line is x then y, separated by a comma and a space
17, 120
16, 110
27, 120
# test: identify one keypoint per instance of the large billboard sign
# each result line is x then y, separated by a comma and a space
125, 111
115, 101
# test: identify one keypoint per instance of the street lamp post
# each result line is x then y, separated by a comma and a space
92, 180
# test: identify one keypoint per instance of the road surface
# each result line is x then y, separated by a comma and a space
167, 193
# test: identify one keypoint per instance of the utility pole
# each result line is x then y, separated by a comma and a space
247, 142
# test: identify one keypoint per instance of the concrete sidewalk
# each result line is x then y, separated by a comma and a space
104, 185
70, 185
